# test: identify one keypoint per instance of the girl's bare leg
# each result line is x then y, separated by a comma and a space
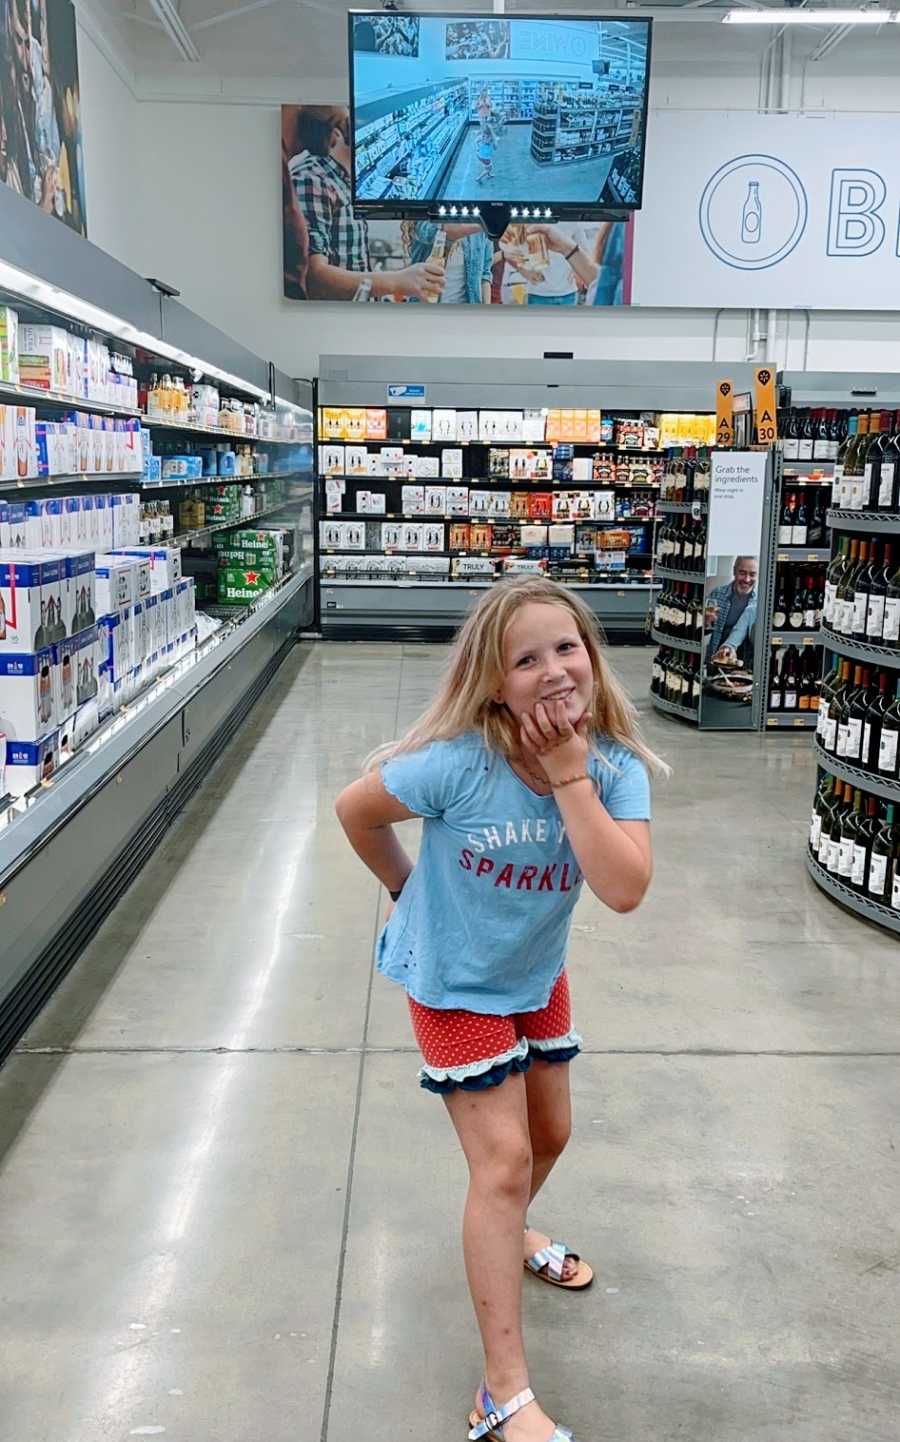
492, 1126
549, 1125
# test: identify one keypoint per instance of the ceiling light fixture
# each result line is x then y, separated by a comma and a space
174, 27
810, 17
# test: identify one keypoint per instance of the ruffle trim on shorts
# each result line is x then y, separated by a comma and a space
477, 1076
556, 1048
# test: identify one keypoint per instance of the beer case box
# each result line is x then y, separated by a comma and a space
116, 583
164, 563
77, 660
83, 724
77, 347
239, 587
28, 763
480, 503
55, 448
31, 600
429, 565
457, 500
182, 468
80, 593
13, 526
28, 694
443, 425
473, 566
116, 643
21, 443
167, 630
44, 358
435, 503
139, 626
43, 523
221, 512
9, 345
452, 464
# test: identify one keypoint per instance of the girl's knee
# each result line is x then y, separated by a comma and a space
552, 1138
506, 1169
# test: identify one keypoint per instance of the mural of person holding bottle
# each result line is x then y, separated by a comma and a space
466, 253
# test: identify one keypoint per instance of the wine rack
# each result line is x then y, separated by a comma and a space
861, 710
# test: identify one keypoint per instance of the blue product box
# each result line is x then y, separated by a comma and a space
182, 468
227, 463
153, 468
28, 763
209, 456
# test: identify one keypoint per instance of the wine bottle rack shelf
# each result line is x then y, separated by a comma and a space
796, 638
790, 720
868, 521
681, 508
675, 642
685, 712
859, 650
872, 910
803, 554
694, 578
866, 780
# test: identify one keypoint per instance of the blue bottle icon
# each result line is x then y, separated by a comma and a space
751, 216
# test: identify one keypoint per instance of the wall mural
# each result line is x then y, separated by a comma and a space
40, 120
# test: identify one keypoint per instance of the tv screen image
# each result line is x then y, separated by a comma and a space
518, 111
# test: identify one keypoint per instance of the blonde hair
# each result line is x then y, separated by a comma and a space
465, 698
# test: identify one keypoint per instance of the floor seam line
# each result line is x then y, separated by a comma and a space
354, 1138
365, 1050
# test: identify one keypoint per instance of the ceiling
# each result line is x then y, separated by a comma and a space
302, 41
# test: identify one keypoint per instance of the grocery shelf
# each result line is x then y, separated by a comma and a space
868, 521
659, 703
696, 578
38, 483
174, 485
602, 446
803, 554
859, 650
675, 643
681, 508
791, 720
871, 910
869, 781
186, 538
35, 397
796, 638
220, 431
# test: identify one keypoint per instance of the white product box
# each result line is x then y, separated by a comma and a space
391, 536
28, 763
334, 496
20, 443
115, 632
473, 566
13, 526
395, 461
91, 524
433, 537
164, 563
425, 467
356, 461
420, 425
457, 500
116, 582
27, 694
31, 601
331, 460
139, 622
582, 468
167, 617
452, 464
534, 535
413, 500
55, 442
373, 503
126, 519
520, 566
77, 679
9, 345
103, 520
443, 425
80, 594
84, 723
95, 431
467, 426
561, 536
429, 565
44, 352
480, 503
331, 535
604, 505
435, 501
411, 537
77, 346
533, 425
155, 638
375, 465
500, 503
43, 523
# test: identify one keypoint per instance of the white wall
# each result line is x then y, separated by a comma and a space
201, 208
109, 123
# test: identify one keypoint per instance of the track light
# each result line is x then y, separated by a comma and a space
174, 27
810, 17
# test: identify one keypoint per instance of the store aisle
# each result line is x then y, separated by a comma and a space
228, 1212
518, 177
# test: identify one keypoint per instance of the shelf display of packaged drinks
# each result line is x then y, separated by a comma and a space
854, 848
795, 669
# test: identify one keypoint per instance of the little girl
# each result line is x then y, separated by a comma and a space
486, 139
531, 776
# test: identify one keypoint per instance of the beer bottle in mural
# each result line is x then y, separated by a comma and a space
751, 216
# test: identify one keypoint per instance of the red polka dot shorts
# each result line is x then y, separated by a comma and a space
472, 1051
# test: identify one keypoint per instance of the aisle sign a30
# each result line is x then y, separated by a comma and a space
766, 413
725, 414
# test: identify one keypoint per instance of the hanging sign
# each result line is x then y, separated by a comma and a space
725, 414
766, 413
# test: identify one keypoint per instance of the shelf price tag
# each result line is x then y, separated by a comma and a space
766, 415
725, 414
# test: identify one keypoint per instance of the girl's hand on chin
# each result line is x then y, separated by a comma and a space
547, 734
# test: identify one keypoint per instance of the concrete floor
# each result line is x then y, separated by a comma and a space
227, 1212
517, 176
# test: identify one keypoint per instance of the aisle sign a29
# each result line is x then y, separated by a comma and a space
766, 413
725, 414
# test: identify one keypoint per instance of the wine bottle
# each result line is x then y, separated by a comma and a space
890, 735
853, 471
807, 436
829, 686
879, 577
780, 613
848, 697
832, 846
795, 610
843, 602
860, 599
857, 710
838, 489
790, 679
862, 850
888, 498
786, 524
821, 438
816, 533
835, 706
791, 444
890, 633
800, 525
821, 802
874, 457
775, 692
807, 684
833, 575
881, 700
850, 829
884, 848
810, 605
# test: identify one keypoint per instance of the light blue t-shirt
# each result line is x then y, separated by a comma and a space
483, 921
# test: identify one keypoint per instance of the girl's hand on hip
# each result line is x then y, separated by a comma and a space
548, 735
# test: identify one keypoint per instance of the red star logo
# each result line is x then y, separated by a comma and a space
251, 578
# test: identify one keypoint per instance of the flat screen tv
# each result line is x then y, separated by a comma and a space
515, 110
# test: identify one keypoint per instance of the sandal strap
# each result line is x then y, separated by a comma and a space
553, 1258
496, 1416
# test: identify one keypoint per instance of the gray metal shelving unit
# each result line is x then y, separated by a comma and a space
872, 911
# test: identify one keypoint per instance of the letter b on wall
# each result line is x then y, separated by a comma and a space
854, 225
